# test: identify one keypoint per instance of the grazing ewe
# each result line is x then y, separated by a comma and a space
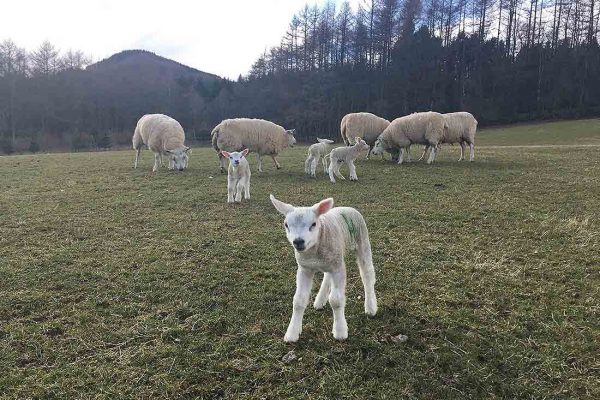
365, 125
419, 128
163, 135
348, 155
320, 235
238, 176
315, 152
257, 135
461, 128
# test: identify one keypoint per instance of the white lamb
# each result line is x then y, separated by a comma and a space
238, 176
163, 135
315, 153
461, 128
418, 128
257, 135
347, 155
320, 236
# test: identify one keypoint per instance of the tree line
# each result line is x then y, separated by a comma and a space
503, 60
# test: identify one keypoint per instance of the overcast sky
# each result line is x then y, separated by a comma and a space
223, 37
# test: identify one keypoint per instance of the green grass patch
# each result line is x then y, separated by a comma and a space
117, 283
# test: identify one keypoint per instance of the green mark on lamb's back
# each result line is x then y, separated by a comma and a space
351, 227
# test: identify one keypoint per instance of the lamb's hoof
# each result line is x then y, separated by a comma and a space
340, 334
371, 308
291, 338
319, 305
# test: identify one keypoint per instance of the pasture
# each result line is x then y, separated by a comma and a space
117, 283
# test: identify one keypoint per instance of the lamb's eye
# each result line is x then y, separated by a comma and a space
313, 225
286, 225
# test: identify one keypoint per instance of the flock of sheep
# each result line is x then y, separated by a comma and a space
320, 234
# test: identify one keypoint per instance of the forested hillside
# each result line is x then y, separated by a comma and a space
503, 60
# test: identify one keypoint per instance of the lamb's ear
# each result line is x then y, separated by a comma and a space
225, 154
282, 207
357, 139
245, 152
323, 206
188, 150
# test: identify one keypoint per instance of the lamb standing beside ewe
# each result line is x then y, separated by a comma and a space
320, 235
348, 155
419, 128
364, 125
238, 176
315, 152
163, 135
461, 128
257, 135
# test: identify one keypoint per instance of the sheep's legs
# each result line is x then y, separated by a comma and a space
221, 162
259, 162
160, 159
424, 152
432, 154
325, 164
352, 169
408, 157
472, 147
276, 162
323, 294
247, 188
239, 190
308, 164
333, 169
462, 151
401, 156
337, 300
137, 157
313, 167
337, 170
304, 278
156, 161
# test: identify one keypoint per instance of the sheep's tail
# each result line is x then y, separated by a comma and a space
215, 137
326, 141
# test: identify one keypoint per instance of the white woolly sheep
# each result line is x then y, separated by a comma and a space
238, 176
315, 153
460, 128
347, 155
364, 125
320, 236
163, 135
257, 135
419, 128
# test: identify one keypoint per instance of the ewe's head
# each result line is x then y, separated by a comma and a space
291, 139
302, 225
379, 147
179, 157
235, 157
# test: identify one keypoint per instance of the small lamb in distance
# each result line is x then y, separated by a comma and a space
320, 235
315, 152
238, 176
348, 155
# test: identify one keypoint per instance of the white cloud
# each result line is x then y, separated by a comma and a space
223, 37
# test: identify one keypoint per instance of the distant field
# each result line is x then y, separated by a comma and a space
116, 283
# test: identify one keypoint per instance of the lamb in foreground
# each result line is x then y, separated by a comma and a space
257, 135
460, 128
163, 135
315, 153
238, 176
320, 236
364, 125
425, 128
347, 155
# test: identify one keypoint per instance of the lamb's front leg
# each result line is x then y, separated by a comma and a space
337, 300
276, 162
352, 169
230, 189
304, 280
247, 188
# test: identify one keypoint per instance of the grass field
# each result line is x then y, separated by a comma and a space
116, 283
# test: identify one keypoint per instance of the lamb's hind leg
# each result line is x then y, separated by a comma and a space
337, 300
364, 259
313, 167
331, 169
352, 168
323, 294
304, 280
307, 165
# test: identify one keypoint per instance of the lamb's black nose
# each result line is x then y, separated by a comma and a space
299, 244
